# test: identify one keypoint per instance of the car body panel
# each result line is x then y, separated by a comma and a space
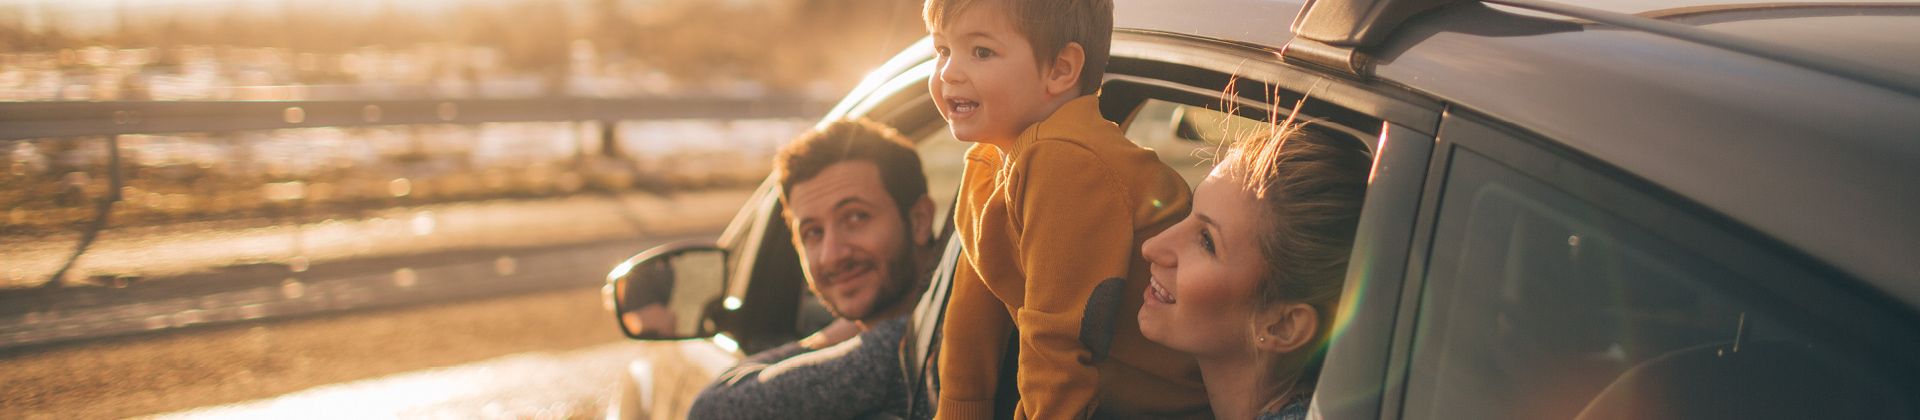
1820, 162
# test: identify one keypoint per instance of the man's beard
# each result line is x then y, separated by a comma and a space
896, 283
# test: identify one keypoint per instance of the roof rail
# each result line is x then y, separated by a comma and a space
1337, 33
1329, 33
1810, 60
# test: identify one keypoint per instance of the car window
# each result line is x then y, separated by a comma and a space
942, 157
1188, 137
1538, 305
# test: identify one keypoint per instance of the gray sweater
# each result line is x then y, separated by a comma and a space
860, 378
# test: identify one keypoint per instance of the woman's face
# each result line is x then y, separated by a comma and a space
1204, 272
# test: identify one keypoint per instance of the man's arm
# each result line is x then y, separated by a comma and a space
853, 378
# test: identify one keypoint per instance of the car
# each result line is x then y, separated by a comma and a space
1708, 211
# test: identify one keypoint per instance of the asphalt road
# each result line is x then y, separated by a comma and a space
550, 354
503, 321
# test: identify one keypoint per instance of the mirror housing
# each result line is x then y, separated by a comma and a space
670, 292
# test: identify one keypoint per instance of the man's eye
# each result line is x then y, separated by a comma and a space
982, 52
810, 234
858, 217
1206, 241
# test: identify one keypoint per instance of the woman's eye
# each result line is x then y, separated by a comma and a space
982, 52
1206, 241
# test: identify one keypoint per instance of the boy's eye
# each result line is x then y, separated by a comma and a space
941, 51
1206, 241
982, 52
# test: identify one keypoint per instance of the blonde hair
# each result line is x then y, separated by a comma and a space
1049, 25
1309, 185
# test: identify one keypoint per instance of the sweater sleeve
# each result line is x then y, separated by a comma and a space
852, 379
1076, 228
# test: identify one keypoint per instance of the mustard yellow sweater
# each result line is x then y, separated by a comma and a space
1041, 225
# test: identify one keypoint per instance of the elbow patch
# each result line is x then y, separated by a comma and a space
1096, 325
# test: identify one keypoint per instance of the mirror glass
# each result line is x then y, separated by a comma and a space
667, 296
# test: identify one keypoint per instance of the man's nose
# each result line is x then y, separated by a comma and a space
833, 247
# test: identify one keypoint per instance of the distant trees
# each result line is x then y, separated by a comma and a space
784, 44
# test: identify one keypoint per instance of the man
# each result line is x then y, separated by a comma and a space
856, 201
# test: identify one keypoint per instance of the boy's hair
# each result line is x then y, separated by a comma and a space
1049, 25
856, 139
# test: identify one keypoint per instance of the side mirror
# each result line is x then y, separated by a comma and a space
665, 293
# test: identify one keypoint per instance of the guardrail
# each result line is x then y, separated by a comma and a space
53, 314
30, 120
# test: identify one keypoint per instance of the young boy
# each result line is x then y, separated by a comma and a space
1054, 205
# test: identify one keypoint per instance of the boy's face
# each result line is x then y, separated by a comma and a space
988, 85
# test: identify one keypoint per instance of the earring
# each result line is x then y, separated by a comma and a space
1263, 339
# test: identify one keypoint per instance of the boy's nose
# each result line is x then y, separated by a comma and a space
950, 72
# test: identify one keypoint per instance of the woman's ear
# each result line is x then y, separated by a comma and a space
1285, 327
1063, 75
920, 221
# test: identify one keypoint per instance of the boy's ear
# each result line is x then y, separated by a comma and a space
1063, 74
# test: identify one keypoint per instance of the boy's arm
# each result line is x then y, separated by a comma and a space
843, 381
973, 342
1076, 227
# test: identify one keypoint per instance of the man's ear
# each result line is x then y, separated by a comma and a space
1285, 327
920, 221
1063, 75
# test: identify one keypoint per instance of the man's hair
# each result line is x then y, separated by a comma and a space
856, 139
1049, 25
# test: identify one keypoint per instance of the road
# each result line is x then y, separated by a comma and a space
513, 331
550, 354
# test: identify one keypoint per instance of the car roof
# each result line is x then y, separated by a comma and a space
1826, 164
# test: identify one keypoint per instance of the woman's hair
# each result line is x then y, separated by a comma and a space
1308, 185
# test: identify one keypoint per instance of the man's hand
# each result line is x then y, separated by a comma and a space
840, 330
653, 318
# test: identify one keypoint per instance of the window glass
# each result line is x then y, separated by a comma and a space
1188, 137
1540, 306
943, 158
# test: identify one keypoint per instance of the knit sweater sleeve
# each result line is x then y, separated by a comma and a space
857, 378
1076, 226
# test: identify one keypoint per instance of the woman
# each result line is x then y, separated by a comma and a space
1248, 282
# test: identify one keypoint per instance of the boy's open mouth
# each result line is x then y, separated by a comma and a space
962, 106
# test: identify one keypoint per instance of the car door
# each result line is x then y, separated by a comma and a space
1500, 276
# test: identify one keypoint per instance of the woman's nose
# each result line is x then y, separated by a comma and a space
1158, 250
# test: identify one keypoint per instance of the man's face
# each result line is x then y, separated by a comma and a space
854, 241
987, 84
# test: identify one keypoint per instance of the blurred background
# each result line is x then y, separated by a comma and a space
206, 202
